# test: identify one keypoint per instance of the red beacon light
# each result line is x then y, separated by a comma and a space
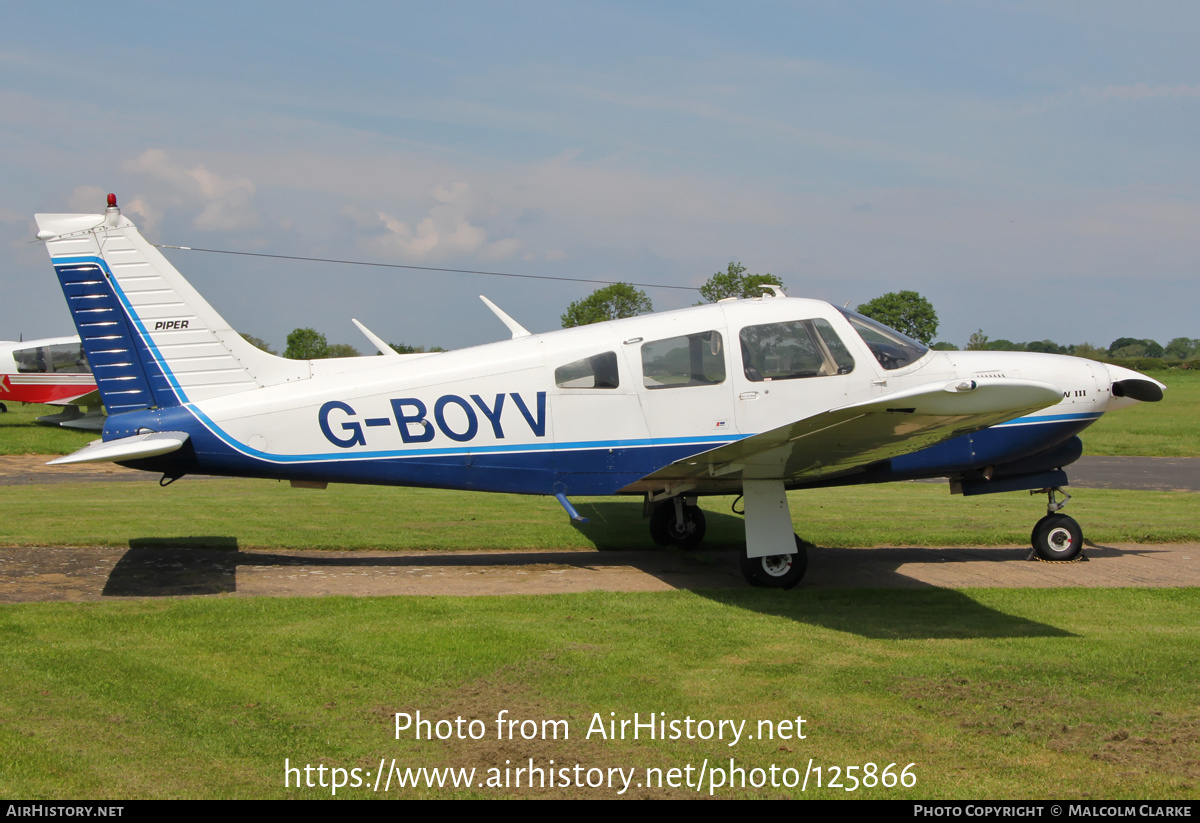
112, 201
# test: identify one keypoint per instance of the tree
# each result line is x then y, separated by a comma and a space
341, 350
978, 341
1132, 350
404, 348
609, 303
904, 311
1182, 348
734, 282
1088, 351
306, 344
259, 343
1046, 347
943, 345
1149, 348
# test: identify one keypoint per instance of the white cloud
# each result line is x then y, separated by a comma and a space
226, 202
447, 231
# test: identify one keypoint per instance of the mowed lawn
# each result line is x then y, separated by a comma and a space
269, 514
998, 693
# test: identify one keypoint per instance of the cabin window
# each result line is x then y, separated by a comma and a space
62, 358
596, 372
788, 351
892, 349
690, 360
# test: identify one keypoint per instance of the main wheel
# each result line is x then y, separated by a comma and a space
777, 571
1057, 537
665, 530
3, 408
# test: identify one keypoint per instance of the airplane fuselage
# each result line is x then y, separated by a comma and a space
505, 417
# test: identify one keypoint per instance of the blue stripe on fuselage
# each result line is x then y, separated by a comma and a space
589, 468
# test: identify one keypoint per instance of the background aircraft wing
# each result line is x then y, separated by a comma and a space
846, 439
91, 398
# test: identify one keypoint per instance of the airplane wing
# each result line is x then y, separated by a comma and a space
843, 440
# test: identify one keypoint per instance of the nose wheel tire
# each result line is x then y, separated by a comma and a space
777, 571
1057, 537
667, 530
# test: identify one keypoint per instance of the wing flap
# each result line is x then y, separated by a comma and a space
127, 448
848, 438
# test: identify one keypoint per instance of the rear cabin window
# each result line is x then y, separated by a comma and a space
62, 358
678, 362
596, 372
788, 351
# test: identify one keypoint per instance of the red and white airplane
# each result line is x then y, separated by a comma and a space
53, 371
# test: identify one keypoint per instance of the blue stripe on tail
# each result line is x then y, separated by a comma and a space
128, 377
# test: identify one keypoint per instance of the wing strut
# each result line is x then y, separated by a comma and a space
768, 519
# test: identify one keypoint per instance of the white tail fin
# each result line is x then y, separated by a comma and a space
150, 337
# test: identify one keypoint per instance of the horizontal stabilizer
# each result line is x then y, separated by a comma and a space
127, 448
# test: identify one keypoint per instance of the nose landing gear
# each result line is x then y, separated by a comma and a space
1056, 537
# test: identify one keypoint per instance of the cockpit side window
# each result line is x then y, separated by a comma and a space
892, 349
596, 372
792, 350
690, 360
67, 358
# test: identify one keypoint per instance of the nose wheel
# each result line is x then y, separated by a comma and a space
1057, 537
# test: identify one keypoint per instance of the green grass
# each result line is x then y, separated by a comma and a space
991, 693
268, 514
1169, 428
20, 435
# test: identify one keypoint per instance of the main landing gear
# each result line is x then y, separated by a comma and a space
777, 571
1056, 537
775, 557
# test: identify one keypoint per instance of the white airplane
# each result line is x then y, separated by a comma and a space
750, 397
52, 371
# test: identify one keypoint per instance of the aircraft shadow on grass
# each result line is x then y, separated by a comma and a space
861, 591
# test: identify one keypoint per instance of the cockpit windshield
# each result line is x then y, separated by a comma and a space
892, 349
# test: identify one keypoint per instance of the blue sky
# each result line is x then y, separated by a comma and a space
1031, 168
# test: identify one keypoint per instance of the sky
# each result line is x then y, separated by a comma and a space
1029, 167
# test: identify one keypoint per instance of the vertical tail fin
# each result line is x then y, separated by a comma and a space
150, 337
